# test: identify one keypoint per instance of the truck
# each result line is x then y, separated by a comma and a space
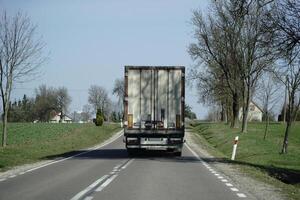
154, 101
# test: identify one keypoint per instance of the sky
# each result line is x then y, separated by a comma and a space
90, 42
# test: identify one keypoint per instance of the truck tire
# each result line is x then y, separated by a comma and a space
178, 154
131, 152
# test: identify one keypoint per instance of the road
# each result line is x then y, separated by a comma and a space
108, 173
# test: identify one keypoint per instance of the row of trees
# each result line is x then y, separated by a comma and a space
47, 103
238, 43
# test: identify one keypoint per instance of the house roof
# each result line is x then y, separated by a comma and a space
257, 106
57, 117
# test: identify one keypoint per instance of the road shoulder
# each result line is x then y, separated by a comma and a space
255, 188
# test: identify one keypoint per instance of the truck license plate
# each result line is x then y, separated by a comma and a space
153, 140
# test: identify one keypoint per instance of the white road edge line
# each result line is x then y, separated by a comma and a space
106, 183
86, 190
216, 174
118, 166
2, 179
234, 189
118, 135
241, 195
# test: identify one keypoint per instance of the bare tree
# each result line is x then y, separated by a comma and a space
20, 57
98, 98
230, 41
213, 114
45, 102
255, 55
211, 89
216, 38
268, 95
63, 101
283, 22
118, 89
86, 112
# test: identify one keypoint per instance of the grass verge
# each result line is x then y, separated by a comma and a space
28, 142
256, 157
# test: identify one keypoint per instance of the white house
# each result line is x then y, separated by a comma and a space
255, 113
56, 119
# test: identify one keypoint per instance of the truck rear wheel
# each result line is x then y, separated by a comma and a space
178, 153
131, 152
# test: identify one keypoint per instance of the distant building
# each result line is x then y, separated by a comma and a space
255, 113
57, 118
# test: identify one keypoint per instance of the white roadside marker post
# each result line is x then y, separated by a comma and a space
234, 147
121, 123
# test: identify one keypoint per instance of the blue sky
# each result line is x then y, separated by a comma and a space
89, 42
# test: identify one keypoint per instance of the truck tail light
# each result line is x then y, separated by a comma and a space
130, 120
132, 141
175, 140
178, 124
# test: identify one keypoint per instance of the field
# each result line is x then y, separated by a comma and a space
257, 157
28, 142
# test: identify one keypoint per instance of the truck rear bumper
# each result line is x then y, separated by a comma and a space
154, 139
154, 132
155, 147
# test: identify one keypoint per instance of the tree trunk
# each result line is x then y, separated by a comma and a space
235, 111
284, 105
61, 117
222, 113
4, 128
246, 111
226, 116
267, 125
245, 120
286, 135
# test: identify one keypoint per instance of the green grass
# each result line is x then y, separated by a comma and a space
255, 156
28, 142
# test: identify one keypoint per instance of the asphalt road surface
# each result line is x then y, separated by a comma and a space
109, 173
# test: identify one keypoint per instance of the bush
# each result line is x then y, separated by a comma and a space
99, 118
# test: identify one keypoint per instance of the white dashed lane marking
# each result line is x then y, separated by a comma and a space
90, 187
106, 183
101, 183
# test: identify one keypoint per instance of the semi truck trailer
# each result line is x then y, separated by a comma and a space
154, 100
